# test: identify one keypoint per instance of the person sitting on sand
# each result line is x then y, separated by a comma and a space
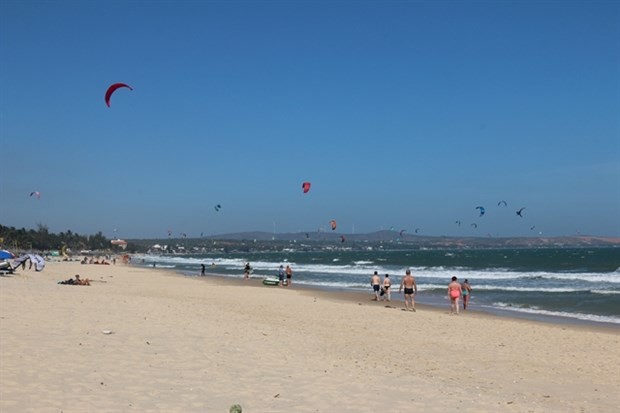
79, 281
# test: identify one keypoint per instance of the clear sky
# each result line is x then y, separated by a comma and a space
403, 114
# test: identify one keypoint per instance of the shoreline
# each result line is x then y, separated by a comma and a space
397, 300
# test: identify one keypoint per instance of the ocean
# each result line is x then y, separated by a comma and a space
550, 284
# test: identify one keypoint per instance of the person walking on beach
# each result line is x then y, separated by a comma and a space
281, 275
375, 283
411, 288
289, 275
454, 293
387, 283
466, 288
202, 269
246, 271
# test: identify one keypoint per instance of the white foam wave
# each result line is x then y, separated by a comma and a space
366, 268
579, 316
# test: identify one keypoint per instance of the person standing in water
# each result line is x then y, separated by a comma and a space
454, 294
202, 270
387, 283
411, 288
246, 271
375, 283
289, 275
466, 288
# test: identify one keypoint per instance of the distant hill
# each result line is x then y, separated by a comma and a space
392, 237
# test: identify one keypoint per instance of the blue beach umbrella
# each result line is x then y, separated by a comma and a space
5, 255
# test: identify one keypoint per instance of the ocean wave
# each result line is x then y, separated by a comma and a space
538, 311
367, 267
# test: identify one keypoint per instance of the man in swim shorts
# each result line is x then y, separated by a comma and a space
289, 275
375, 283
454, 294
387, 283
411, 288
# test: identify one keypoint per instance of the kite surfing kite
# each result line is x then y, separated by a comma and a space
474, 225
36, 194
520, 211
217, 207
402, 231
502, 202
112, 89
458, 223
333, 224
481, 210
306, 187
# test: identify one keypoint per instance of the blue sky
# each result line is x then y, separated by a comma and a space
404, 114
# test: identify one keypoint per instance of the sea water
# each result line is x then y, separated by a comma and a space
559, 284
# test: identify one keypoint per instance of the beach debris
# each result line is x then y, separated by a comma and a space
481, 209
306, 187
520, 211
112, 89
235, 408
107, 332
278, 395
332, 223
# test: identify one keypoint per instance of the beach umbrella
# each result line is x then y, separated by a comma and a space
6, 255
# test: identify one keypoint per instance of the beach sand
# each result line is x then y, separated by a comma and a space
201, 344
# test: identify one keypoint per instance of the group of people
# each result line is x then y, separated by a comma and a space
382, 291
285, 272
457, 290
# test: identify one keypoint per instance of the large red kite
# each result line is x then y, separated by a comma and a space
112, 89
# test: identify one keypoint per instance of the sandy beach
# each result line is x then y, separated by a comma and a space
142, 340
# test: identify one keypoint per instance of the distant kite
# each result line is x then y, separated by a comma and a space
502, 202
482, 210
333, 224
458, 223
402, 231
36, 194
417, 230
112, 89
520, 211
306, 187
217, 207
532, 227
474, 225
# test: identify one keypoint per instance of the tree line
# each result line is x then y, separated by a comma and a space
42, 240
